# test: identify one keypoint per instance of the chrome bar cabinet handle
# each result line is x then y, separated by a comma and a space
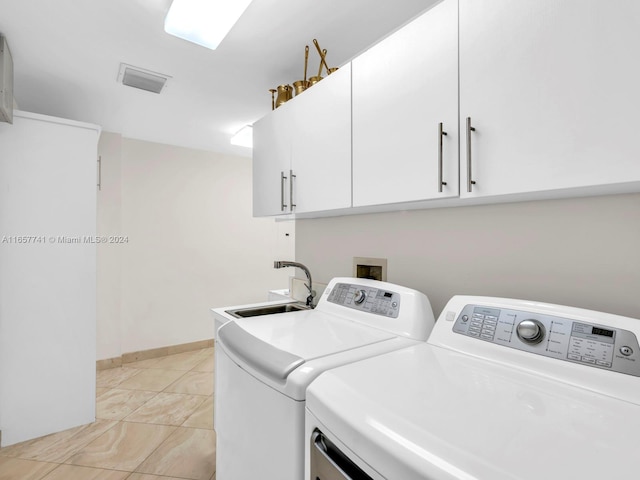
283, 206
100, 172
441, 133
470, 129
292, 176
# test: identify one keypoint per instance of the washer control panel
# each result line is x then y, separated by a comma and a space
561, 338
366, 299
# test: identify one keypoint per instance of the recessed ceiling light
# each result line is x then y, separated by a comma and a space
205, 22
244, 137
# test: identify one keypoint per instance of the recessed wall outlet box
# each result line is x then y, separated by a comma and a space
372, 268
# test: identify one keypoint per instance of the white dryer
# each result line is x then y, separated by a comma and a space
503, 389
265, 363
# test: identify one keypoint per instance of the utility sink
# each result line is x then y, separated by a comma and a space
267, 310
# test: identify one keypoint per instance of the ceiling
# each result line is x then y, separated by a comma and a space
67, 54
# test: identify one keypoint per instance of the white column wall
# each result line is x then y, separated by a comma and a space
47, 276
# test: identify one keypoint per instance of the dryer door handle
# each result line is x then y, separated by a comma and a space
258, 355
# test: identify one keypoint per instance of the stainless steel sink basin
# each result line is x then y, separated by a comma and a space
267, 310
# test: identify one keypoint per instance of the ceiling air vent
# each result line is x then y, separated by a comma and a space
143, 79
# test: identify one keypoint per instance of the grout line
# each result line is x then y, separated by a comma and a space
167, 424
199, 428
156, 449
86, 466
65, 459
144, 403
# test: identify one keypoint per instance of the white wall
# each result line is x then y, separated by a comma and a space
109, 258
192, 244
581, 252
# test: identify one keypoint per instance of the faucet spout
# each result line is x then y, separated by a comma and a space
284, 263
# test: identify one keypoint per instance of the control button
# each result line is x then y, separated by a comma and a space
490, 322
360, 296
488, 337
626, 351
465, 318
491, 317
603, 364
476, 324
573, 356
488, 327
395, 304
473, 333
474, 329
478, 315
589, 360
530, 331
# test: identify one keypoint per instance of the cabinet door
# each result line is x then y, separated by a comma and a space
403, 88
271, 164
321, 122
551, 88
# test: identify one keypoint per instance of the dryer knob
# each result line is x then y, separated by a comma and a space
530, 331
360, 296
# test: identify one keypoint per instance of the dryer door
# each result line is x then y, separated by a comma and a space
329, 463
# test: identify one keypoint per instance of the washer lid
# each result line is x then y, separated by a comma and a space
310, 334
426, 412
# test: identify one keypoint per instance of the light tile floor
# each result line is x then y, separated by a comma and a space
154, 422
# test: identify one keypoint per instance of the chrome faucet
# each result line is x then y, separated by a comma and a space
284, 263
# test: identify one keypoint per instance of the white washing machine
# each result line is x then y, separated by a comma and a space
503, 389
265, 363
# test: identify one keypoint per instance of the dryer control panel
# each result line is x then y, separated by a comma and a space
594, 345
366, 299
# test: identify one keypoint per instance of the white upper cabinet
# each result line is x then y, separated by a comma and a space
403, 89
302, 151
271, 164
552, 91
321, 139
